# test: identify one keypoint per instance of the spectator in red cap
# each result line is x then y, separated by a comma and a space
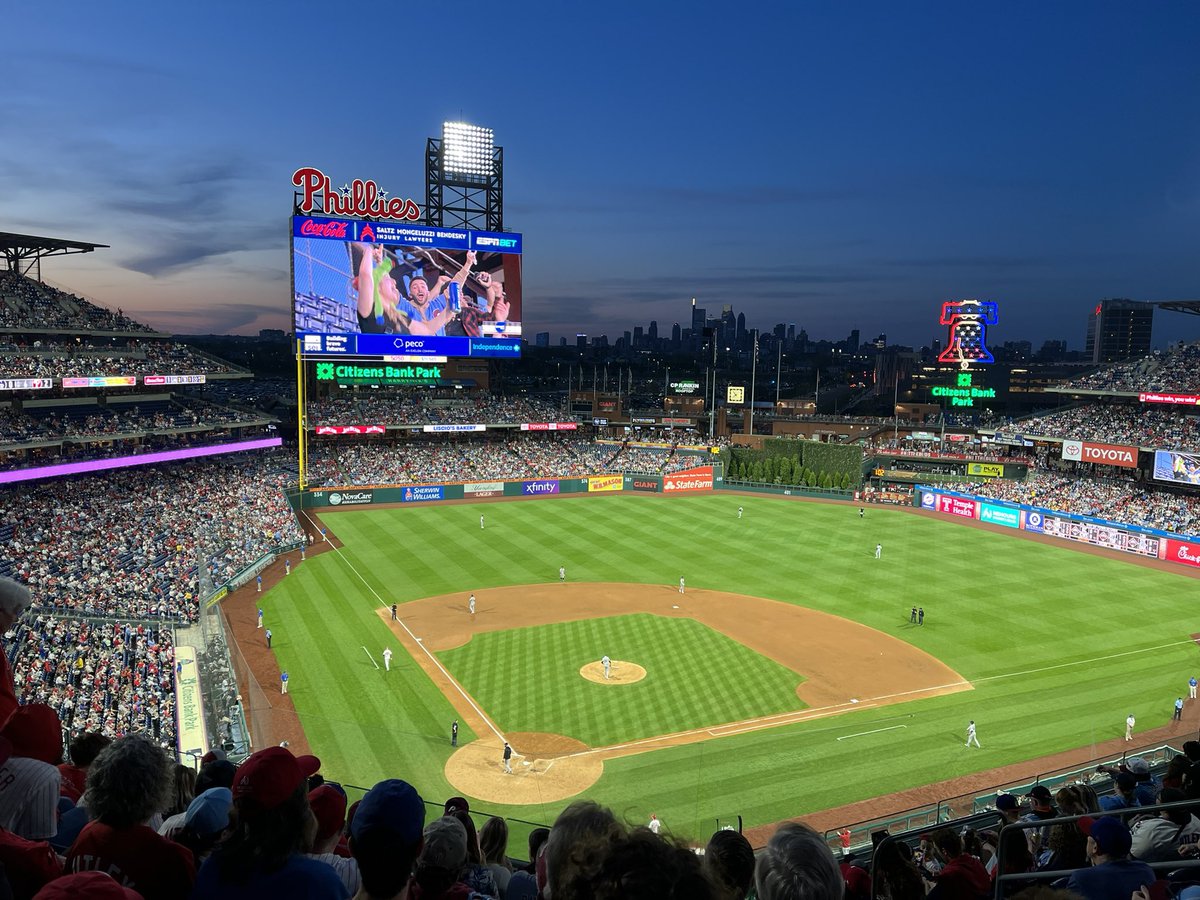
329, 808
263, 857
130, 782
29, 780
93, 885
1113, 875
385, 838
83, 751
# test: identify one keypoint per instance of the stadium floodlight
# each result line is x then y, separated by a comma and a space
467, 151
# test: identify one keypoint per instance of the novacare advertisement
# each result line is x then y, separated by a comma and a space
605, 483
1000, 515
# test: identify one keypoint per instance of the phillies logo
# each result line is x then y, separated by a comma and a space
324, 229
359, 199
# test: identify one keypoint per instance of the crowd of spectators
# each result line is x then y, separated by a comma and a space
1115, 423
103, 676
26, 303
1121, 500
1176, 370
76, 359
414, 408
465, 459
49, 424
128, 544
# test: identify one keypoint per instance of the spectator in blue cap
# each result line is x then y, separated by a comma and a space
1113, 875
386, 835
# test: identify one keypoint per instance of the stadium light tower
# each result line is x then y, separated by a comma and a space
464, 179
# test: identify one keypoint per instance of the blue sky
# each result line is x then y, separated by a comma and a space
839, 166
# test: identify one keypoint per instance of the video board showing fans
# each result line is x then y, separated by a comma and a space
381, 289
1181, 468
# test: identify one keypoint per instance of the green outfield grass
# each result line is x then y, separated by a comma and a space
681, 657
1060, 645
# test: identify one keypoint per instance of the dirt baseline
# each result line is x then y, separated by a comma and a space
844, 664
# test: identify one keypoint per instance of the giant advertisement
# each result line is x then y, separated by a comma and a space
422, 492
539, 488
1000, 515
385, 289
956, 506
1183, 553
698, 479
1182, 468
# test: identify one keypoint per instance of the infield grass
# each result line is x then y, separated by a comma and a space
1059, 645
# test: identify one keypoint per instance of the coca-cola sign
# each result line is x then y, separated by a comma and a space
331, 229
358, 199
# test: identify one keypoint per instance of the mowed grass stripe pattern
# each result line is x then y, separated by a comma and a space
994, 604
695, 677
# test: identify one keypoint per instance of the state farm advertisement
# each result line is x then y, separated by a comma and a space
956, 506
697, 479
1105, 454
1183, 553
549, 426
350, 429
605, 483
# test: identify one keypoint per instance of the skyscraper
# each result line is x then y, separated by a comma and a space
1119, 329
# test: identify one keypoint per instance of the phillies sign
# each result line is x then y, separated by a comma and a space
1106, 454
357, 200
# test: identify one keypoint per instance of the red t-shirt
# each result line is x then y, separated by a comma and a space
74, 781
28, 864
137, 857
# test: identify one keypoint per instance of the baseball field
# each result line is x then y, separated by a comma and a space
787, 678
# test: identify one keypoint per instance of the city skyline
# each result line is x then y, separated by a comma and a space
854, 168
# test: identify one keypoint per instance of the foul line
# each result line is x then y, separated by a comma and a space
846, 737
458, 687
370, 657
1084, 662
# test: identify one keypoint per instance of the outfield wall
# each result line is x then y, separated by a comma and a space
1147, 542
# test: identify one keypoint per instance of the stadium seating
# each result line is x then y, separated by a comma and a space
26, 303
1176, 370
1116, 423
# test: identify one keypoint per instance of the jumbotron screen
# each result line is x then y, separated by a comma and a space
382, 289
1181, 468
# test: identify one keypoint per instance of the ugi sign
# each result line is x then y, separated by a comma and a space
964, 392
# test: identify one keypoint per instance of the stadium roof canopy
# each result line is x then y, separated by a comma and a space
1191, 307
23, 251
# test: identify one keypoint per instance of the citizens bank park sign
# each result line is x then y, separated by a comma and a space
357, 199
1105, 454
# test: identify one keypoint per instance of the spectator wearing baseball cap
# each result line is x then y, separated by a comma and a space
30, 774
128, 784
1125, 796
1113, 875
1008, 806
329, 808
1146, 786
14, 600
263, 855
205, 822
440, 862
386, 838
1042, 807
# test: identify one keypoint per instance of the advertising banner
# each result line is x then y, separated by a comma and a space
1105, 454
956, 506
549, 426
1000, 515
351, 498
491, 488
697, 479
453, 428
1183, 553
645, 484
26, 384
643, 420
1101, 536
987, 470
1181, 468
668, 420
1034, 521
423, 492
537, 488
188, 703
350, 429
603, 483
928, 500
101, 381
1181, 399
152, 380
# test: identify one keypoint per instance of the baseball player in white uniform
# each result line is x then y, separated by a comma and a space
562, 573
471, 604
681, 584
481, 523
739, 516
1130, 721
387, 659
654, 824
971, 738
878, 551
607, 663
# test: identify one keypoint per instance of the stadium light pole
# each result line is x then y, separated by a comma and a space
464, 178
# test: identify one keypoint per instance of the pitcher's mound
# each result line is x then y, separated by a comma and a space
621, 672
543, 771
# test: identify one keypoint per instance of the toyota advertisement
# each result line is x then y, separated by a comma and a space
1105, 454
385, 289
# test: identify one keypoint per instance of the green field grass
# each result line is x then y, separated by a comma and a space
677, 693
1059, 645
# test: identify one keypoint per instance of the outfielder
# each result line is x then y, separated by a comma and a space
481, 523
607, 663
878, 551
471, 604
971, 738
739, 516
562, 573
387, 659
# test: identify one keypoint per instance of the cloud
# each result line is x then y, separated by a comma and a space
217, 318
